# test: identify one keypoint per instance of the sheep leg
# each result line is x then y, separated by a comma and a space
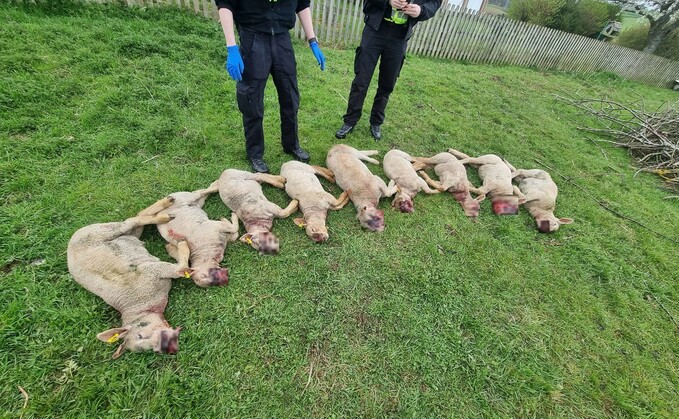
530, 173
157, 206
287, 211
340, 202
420, 163
425, 187
369, 152
229, 226
324, 173
429, 181
165, 270
273, 180
512, 168
172, 251
518, 192
386, 191
480, 192
474, 161
134, 225
199, 196
363, 155
458, 154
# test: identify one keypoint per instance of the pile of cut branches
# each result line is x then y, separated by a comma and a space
651, 137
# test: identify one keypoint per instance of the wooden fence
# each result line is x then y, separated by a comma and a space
465, 35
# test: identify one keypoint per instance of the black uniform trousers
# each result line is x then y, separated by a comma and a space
388, 44
265, 54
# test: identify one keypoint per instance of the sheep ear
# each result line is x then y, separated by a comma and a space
246, 238
565, 221
522, 201
300, 222
112, 335
119, 351
480, 198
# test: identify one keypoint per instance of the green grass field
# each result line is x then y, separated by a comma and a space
630, 20
104, 110
494, 9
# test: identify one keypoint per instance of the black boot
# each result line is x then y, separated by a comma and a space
299, 153
376, 132
259, 165
343, 131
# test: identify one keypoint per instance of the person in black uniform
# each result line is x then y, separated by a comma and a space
388, 26
263, 28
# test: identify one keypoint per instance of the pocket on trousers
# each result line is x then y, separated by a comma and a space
250, 98
255, 58
243, 98
246, 40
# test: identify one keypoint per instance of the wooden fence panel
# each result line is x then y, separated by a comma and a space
437, 32
587, 52
557, 50
463, 34
569, 58
518, 46
543, 47
450, 40
500, 32
358, 25
473, 44
343, 14
526, 53
571, 61
484, 41
441, 40
512, 41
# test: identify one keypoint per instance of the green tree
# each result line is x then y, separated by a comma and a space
539, 12
582, 17
637, 38
662, 15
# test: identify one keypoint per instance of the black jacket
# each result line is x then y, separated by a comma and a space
264, 15
374, 12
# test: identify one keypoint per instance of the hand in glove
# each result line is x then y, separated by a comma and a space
234, 63
320, 58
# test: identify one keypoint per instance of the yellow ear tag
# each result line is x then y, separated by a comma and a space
113, 338
248, 240
187, 275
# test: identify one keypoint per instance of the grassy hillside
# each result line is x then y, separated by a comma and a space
104, 110
630, 20
494, 9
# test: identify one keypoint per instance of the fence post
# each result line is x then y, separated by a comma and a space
458, 33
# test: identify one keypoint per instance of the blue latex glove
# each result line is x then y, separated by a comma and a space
234, 63
320, 58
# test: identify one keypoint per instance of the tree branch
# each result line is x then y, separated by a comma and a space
672, 6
